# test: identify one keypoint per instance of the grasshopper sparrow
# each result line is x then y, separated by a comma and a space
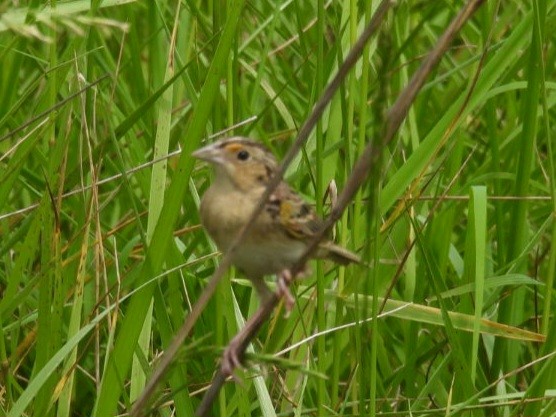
281, 232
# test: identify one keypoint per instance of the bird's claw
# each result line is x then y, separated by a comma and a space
231, 360
232, 356
284, 280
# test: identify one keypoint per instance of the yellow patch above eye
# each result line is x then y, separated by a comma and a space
234, 147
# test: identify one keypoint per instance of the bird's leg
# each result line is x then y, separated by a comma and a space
284, 281
232, 356
283, 289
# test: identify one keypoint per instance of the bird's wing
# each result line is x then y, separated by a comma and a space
292, 214
299, 221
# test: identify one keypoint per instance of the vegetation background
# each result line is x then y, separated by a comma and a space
92, 290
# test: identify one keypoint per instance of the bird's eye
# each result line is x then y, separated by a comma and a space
243, 155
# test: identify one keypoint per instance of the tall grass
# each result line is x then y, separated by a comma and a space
102, 255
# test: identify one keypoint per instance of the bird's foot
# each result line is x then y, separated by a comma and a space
232, 358
284, 280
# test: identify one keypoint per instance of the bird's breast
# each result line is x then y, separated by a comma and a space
267, 249
223, 216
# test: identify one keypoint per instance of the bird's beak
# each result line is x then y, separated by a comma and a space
209, 153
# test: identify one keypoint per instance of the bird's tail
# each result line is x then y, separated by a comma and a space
337, 254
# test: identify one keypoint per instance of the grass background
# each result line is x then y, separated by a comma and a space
95, 284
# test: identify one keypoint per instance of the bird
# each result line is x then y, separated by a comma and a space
280, 234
